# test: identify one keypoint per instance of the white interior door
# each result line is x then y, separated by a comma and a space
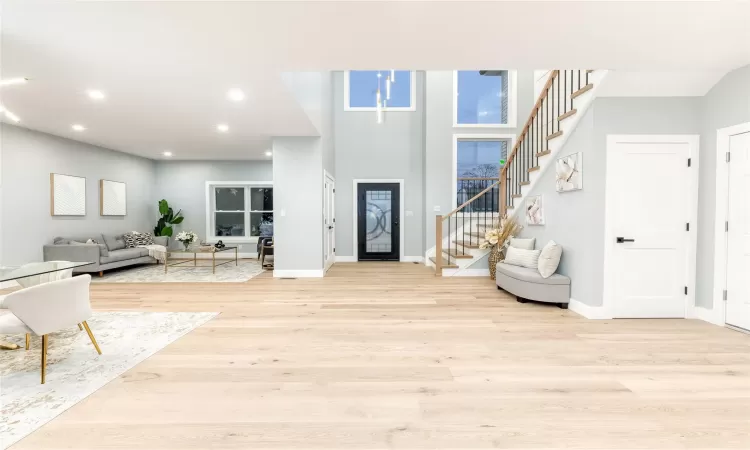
648, 203
738, 239
329, 222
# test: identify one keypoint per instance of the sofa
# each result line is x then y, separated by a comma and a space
109, 252
528, 284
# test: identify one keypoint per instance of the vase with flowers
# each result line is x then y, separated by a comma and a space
497, 240
187, 238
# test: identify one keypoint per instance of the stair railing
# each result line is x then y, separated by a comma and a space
484, 209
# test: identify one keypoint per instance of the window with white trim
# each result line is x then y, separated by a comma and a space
478, 164
484, 98
396, 90
240, 211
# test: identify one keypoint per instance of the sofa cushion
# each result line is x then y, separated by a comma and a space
102, 248
526, 244
123, 254
530, 275
113, 242
549, 259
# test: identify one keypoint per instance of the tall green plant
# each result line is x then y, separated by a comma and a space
167, 219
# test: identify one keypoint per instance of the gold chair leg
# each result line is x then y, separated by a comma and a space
80, 327
44, 357
28, 341
91, 335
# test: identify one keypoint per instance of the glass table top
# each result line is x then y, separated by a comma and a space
39, 268
199, 250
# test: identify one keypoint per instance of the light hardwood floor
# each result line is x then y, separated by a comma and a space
380, 355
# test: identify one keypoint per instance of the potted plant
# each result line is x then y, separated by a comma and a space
167, 220
497, 240
187, 238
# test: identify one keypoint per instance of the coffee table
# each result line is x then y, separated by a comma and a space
195, 252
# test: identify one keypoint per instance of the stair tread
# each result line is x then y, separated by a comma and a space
555, 135
567, 114
544, 153
474, 233
525, 183
456, 254
582, 91
467, 244
533, 169
445, 264
516, 196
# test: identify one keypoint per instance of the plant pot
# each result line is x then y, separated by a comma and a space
187, 245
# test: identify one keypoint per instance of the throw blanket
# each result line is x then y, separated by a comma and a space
156, 251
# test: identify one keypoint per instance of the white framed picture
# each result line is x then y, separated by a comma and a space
67, 195
534, 210
569, 173
113, 198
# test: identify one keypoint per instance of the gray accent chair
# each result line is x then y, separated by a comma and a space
527, 284
110, 254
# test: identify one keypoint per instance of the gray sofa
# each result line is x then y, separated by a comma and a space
528, 284
109, 253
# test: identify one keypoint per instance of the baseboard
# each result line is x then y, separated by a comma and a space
318, 273
708, 315
349, 259
472, 273
413, 259
346, 259
588, 311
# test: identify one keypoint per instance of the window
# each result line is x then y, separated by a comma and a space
478, 163
484, 98
360, 89
239, 211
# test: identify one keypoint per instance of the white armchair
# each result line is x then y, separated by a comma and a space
47, 308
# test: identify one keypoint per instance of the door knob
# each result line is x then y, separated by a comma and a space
330, 227
622, 240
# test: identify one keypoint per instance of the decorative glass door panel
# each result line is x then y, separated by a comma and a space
378, 207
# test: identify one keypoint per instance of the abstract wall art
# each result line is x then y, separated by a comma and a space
67, 195
113, 198
534, 210
569, 173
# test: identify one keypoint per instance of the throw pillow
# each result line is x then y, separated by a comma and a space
136, 239
526, 244
113, 242
60, 241
521, 257
102, 248
549, 259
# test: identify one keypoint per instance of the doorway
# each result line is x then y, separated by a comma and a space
329, 221
378, 221
650, 226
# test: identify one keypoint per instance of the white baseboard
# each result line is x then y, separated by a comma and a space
588, 311
471, 273
413, 259
346, 259
708, 315
318, 273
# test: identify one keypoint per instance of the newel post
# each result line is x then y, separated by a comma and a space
438, 246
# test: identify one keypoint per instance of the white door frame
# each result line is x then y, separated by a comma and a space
608, 298
327, 176
718, 314
401, 217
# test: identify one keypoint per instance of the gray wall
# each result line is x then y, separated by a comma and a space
576, 219
28, 158
183, 185
298, 204
391, 150
726, 104
439, 131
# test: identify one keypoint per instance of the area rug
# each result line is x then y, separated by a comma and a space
184, 273
75, 370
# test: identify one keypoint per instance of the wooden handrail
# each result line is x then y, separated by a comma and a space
476, 178
526, 127
471, 200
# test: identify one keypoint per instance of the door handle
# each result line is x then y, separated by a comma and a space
622, 240
330, 227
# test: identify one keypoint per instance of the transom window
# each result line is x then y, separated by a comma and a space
478, 164
361, 86
239, 211
484, 98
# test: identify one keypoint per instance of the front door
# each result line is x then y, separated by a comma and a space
738, 240
329, 222
649, 207
378, 206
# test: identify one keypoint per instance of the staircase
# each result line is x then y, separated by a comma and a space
561, 104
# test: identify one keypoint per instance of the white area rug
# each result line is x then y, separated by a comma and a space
184, 273
74, 369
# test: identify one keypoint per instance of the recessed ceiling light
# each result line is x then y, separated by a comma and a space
95, 94
12, 116
236, 95
10, 81
78, 127
269, 153
222, 127
167, 154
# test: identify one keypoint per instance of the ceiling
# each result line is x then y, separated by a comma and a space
166, 66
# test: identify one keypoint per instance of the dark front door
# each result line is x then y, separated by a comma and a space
378, 232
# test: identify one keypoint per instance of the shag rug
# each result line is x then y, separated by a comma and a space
74, 369
183, 273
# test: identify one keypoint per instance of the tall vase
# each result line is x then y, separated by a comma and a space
492, 259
